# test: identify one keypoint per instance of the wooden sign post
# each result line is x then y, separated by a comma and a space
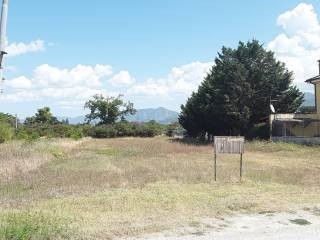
228, 145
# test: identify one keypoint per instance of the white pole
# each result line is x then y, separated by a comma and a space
3, 30
3, 34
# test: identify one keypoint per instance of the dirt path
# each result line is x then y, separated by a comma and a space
303, 224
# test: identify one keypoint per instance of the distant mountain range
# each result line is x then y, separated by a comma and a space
163, 115
309, 99
160, 115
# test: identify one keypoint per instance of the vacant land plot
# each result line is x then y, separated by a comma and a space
103, 189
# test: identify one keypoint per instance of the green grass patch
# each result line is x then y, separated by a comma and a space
33, 226
113, 152
13, 190
57, 152
116, 152
264, 146
300, 221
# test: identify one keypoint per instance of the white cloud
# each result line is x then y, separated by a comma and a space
20, 96
71, 93
62, 85
71, 104
11, 68
81, 75
123, 78
181, 80
299, 44
20, 83
150, 87
15, 49
70, 88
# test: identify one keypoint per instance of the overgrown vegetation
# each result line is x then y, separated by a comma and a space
105, 112
7, 123
63, 130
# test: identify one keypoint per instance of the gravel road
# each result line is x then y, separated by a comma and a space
299, 225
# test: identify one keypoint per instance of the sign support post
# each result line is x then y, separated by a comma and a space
241, 167
228, 145
215, 167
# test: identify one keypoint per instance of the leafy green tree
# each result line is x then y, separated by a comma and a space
43, 116
7, 118
107, 110
235, 95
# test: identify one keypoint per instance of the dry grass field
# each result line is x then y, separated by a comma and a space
106, 189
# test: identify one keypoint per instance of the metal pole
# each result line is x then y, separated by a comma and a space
3, 34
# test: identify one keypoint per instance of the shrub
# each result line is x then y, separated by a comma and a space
76, 133
6, 132
124, 129
171, 129
104, 131
87, 129
150, 129
63, 130
24, 134
260, 131
33, 131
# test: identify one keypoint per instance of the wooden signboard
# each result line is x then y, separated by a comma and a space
228, 145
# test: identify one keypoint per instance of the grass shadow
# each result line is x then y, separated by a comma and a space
191, 141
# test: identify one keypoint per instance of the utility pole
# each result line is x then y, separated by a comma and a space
3, 35
272, 116
16, 123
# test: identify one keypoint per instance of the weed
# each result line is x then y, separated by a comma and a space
32, 225
57, 152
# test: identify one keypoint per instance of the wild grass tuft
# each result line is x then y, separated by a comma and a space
32, 226
57, 152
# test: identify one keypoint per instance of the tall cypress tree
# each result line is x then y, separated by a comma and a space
235, 94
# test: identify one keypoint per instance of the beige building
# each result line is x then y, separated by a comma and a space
301, 128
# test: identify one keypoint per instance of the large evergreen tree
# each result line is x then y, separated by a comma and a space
236, 93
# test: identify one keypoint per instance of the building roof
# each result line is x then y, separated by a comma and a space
313, 80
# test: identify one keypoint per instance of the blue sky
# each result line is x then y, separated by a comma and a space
153, 52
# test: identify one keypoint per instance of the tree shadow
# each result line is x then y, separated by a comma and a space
191, 141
